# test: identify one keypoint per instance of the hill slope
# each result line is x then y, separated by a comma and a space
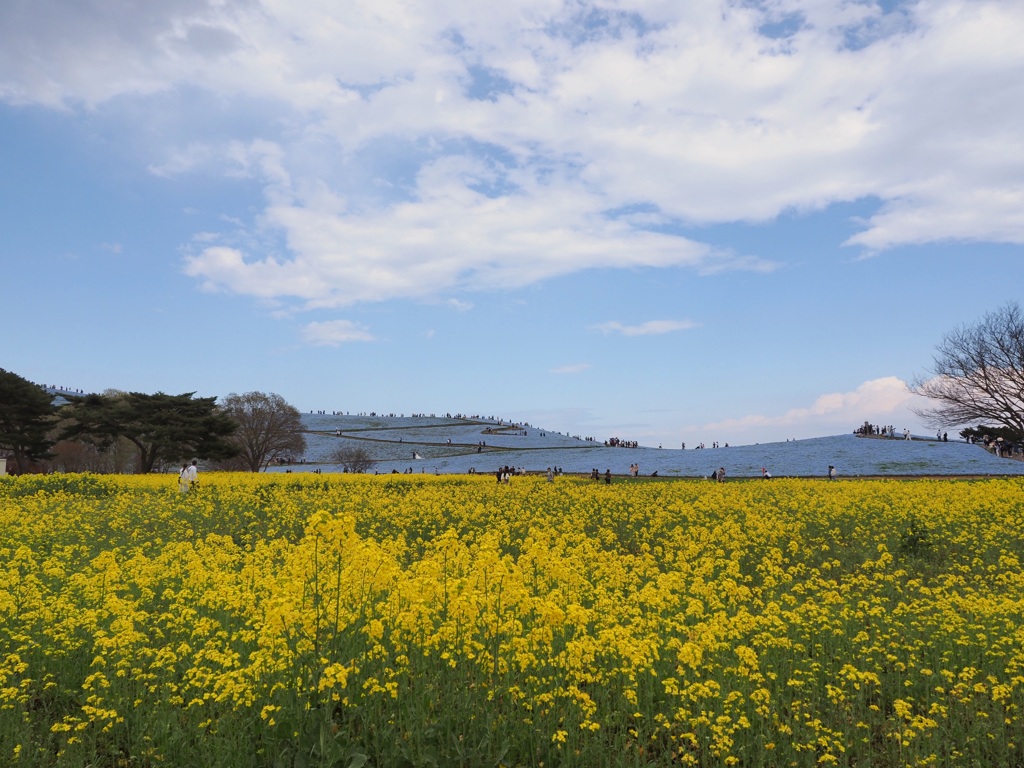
459, 445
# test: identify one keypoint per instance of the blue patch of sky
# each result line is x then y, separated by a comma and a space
176, 117
625, 211
495, 181
492, 153
544, 167
646, 217
103, 195
495, 186
888, 6
792, 233
784, 27
593, 24
385, 171
456, 38
487, 84
871, 31
890, 19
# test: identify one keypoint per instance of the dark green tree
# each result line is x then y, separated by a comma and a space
26, 418
268, 428
162, 427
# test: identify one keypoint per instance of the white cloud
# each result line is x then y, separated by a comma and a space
182, 160
649, 328
418, 148
451, 236
571, 369
335, 332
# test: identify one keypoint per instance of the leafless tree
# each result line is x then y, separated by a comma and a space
978, 374
268, 428
120, 457
353, 458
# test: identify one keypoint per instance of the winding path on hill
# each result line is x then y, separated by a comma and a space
458, 447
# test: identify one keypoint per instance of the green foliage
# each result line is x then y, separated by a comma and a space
162, 427
916, 541
979, 433
26, 418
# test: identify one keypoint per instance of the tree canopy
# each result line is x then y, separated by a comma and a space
978, 374
162, 427
268, 428
26, 419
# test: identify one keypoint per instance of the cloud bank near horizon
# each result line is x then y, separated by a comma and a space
419, 150
884, 401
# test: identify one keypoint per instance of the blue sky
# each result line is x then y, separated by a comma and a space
708, 221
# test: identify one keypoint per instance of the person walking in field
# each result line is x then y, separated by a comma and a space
183, 479
192, 473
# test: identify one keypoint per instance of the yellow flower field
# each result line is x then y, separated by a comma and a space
301, 620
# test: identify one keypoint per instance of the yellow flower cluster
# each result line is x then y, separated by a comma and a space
454, 620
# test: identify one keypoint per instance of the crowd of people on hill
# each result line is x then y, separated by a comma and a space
615, 442
383, 415
1002, 448
867, 429
62, 388
998, 445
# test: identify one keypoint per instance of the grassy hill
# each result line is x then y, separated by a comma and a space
459, 445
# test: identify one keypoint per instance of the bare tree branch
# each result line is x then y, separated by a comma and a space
353, 458
978, 374
268, 428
